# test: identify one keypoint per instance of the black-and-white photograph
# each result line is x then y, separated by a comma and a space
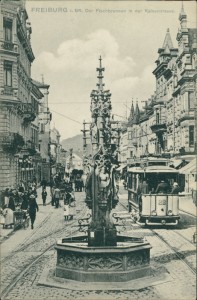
98, 165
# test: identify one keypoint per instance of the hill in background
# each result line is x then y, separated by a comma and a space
76, 143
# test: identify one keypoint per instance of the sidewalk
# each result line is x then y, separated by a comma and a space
186, 204
41, 215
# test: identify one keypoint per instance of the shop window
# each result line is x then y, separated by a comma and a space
7, 27
191, 135
7, 73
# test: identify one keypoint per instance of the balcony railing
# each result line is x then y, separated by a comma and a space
12, 142
30, 148
29, 114
8, 91
9, 46
159, 127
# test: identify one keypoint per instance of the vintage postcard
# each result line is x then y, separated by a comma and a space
98, 147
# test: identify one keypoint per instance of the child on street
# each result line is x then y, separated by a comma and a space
44, 196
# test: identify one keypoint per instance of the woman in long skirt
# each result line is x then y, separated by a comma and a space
2, 217
9, 217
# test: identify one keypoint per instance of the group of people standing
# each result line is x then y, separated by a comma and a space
64, 190
16, 200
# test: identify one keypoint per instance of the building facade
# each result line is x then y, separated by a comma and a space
44, 119
55, 151
19, 102
166, 124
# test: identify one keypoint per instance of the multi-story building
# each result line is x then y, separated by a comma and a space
44, 117
166, 125
55, 149
20, 97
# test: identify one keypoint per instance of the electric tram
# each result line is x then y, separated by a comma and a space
153, 208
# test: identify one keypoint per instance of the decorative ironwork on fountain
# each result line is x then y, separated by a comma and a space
101, 189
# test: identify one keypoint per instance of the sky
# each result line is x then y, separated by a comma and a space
69, 36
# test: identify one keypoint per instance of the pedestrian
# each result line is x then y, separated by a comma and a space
21, 188
16, 197
11, 203
33, 207
9, 217
34, 191
6, 197
2, 218
56, 197
43, 183
72, 206
44, 196
66, 208
25, 201
67, 201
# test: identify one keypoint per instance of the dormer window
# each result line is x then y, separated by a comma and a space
7, 27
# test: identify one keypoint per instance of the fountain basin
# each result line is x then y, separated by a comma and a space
129, 260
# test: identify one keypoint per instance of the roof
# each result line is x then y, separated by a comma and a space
153, 169
167, 44
190, 168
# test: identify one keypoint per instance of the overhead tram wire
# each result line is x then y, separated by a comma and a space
66, 117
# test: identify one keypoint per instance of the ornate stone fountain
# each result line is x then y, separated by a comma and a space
102, 255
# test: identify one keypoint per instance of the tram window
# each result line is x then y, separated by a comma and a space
157, 163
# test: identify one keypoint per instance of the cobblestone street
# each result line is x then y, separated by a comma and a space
23, 263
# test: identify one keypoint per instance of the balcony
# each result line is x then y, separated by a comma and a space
12, 143
30, 148
29, 114
9, 46
8, 91
159, 128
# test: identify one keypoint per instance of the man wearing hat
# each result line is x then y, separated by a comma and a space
33, 206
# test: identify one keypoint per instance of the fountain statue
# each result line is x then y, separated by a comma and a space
102, 255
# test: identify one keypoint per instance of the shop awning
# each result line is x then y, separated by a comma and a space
190, 168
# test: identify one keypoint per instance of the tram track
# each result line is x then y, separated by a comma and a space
24, 246
178, 254
15, 280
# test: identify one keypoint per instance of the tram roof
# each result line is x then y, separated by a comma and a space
153, 169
